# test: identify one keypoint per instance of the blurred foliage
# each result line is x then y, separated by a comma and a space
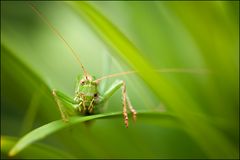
112, 37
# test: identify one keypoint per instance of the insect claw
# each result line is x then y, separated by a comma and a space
126, 122
125, 118
54, 92
134, 116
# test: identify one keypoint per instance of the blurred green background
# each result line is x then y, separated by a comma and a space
201, 110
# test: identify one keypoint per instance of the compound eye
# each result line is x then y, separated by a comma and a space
82, 82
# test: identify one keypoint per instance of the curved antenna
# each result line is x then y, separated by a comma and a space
115, 75
165, 70
54, 30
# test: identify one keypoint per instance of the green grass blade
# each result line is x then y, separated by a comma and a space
36, 151
52, 127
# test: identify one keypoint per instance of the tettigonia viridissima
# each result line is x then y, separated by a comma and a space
87, 96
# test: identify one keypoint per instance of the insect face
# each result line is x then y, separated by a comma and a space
87, 90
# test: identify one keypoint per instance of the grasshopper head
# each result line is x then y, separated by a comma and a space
87, 89
87, 80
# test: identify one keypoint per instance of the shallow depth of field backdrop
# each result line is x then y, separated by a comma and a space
190, 110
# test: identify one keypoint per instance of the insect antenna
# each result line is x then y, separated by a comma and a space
164, 70
115, 75
54, 30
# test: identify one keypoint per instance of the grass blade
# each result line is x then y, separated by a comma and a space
52, 127
36, 151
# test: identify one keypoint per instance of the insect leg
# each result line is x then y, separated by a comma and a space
66, 109
124, 100
134, 113
113, 88
91, 106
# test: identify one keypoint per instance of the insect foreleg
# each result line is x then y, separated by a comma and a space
91, 107
113, 88
66, 109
